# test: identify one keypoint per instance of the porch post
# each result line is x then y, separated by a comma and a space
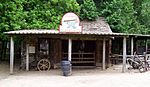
146, 46
109, 60
104, 53
132, 47
69, 49
124, 54
27, 57
11, 55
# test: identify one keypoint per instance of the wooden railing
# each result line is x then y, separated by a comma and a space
82, 57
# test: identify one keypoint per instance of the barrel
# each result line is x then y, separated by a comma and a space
66, 67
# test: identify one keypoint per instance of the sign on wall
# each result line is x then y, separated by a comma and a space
70, 23
31, 49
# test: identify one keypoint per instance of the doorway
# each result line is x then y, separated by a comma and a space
83, 52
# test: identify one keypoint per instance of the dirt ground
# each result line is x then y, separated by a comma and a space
111, 77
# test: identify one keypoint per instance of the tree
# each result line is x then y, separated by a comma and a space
137, 5
120, 16
144, 17
88, 10
34, 14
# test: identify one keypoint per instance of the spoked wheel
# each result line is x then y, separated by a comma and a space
43, 65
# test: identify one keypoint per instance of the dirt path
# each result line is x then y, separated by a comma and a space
4, 68
112, 77
96, 80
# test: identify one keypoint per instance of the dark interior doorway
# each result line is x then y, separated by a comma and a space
83, 52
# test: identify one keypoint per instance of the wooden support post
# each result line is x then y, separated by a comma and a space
132, 46
27, 57
98, 53
11, 55
104, 54
69, 49
109, 60
146, 46
124, 54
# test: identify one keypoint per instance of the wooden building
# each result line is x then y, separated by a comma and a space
90, 47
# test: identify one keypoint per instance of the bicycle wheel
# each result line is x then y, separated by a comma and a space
142, 69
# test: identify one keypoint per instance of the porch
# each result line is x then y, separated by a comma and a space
86, 49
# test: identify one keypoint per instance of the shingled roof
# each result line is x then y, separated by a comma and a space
98, 26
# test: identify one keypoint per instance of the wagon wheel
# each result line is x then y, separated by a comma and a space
43, 65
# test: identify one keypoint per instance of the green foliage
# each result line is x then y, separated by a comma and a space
89, 10
120, 16
137, 5
141, 8
144, 18
128, 16
34, 14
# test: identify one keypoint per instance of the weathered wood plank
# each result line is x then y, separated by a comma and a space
104, 54
132, 45
11, 55
124, 54
69, 49
27, 57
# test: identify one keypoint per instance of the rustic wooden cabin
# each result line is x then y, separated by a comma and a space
88, 46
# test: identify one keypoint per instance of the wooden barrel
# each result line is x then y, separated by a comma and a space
66, 67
